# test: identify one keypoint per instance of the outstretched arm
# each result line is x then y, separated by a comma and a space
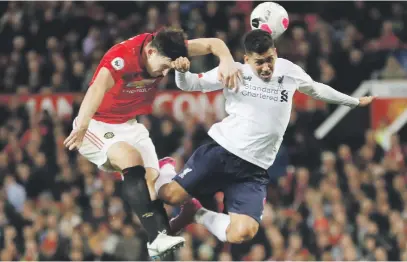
324, 92
328, 94
228, 73
187, 81
205, 46
91, 102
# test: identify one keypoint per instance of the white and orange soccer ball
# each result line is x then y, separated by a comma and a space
270, 17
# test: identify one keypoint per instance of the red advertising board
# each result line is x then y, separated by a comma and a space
176, 103
385, 111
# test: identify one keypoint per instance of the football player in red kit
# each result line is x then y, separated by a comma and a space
107, 133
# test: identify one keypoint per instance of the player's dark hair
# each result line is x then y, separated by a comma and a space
170, 43
257, 41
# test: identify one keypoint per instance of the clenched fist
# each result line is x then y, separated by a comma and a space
181, 64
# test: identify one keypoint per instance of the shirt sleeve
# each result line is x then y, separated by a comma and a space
204, 82
300, 76
115, 61
320, 91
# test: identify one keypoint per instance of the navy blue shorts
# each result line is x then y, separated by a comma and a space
213, 169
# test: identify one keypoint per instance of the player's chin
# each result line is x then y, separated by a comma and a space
266, 77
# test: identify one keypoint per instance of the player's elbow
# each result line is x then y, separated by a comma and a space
204, 46
212, 43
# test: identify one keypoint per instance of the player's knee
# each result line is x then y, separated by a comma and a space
242, 229
151, 175
121, 155
173, 194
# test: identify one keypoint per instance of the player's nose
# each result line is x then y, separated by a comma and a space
266, 67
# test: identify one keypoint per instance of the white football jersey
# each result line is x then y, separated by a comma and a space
258, 111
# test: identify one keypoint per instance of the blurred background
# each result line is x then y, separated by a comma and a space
341, 196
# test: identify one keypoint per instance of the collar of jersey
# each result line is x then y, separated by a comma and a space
146, 40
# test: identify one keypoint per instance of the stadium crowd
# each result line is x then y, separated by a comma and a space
336, 204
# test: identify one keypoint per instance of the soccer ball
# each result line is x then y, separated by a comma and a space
270, 17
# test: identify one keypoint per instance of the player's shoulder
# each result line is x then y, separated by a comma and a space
286, 67
284, 64
239, 64
138, 39
244, 67
125, 46
116, 57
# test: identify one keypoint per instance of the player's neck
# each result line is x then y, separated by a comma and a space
144, 59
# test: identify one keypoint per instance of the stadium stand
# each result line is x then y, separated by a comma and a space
342, 198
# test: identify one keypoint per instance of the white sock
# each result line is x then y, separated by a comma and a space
216, 223
167, 173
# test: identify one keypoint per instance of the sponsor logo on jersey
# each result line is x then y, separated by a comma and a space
140, 83
109, 135
118, 63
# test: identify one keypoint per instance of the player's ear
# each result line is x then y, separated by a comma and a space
246, 59
151, 52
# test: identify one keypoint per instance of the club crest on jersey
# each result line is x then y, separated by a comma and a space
280, 81
109, 135
118, 63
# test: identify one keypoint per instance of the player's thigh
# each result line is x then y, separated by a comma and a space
149, 156
122, 155
244, 201
93, 145
127, 147
201, 173
247, 187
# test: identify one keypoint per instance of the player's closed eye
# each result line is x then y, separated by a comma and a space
269, 59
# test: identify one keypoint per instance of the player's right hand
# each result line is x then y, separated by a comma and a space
75, 139
366, 100
229, 73
181, 64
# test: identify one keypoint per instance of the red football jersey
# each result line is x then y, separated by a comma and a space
133, 92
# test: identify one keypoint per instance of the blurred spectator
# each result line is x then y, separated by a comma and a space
393, 69
344, 203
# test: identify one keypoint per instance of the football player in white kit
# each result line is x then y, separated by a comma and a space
245, 143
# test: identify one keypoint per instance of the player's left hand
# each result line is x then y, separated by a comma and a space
229, 73
74, 140
366, 100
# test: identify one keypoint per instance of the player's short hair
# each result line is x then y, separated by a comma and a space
170, 43
257, 41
